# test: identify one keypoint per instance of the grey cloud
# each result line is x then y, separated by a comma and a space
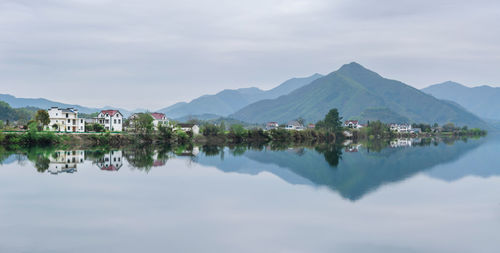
153, 53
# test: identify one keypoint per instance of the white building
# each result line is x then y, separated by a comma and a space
272, 125
401, 128
294, 125
352, 124
111, 120
193, 128
159, 119
65, 120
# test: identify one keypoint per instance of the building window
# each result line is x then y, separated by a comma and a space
114, 121
81, 121
119, 121
66, 115
69, 121
69, 128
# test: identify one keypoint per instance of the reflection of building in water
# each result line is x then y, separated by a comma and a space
399, 143
111, 161
352, 148
189, 152
65, 161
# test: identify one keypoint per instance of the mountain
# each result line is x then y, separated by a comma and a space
7, 113
483, 101
229, 101
358, 93
45, 104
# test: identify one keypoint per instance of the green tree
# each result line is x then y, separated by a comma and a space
42, 118
144, 123
332, 121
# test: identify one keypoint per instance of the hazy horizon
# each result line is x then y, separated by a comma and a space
152, 54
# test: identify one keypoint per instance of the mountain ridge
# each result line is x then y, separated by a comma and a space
43, 103
353, 89
483, 100
229, 101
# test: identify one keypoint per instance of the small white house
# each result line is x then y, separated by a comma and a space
401, 128
111, 120
159, 119
352, 124
272, 125
65, 120
193, 128
294, 125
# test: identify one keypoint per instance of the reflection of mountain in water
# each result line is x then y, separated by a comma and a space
357, 172
484, 163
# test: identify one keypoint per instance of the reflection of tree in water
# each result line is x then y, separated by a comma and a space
211, 150
140, 158
41, 163
331, 152
145, 157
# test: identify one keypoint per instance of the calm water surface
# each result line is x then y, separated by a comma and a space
408, 196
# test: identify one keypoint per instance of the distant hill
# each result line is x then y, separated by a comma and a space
355, 90
229, 101
43, 103
483, 101
7, 113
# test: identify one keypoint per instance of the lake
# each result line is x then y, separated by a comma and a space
400, 196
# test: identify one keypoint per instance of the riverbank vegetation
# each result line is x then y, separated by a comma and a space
144, 132
380, 130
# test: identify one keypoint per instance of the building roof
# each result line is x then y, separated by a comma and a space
71, 110
351, 121
294, 123
110, 112
158, 115
109, 168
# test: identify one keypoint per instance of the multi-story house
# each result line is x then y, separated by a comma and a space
272, 125
65, 120
111, 120
159, 119
294, 125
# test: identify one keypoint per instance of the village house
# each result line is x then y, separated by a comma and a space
158, 119
352, 124
111, 120
400, 128
272, 125
65, 120
311, 126
193, 128
294, 125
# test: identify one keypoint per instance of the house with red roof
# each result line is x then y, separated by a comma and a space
352, 124
111, 120
159, 119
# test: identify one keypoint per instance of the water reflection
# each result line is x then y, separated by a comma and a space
61, 161
351, 169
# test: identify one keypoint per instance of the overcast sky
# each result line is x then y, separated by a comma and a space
153, 53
